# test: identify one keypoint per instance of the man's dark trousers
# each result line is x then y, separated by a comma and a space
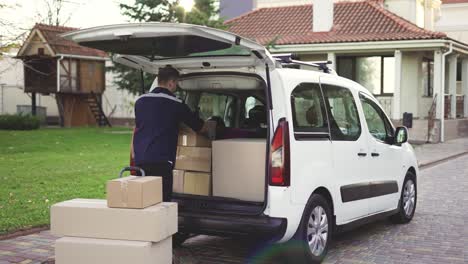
164, 170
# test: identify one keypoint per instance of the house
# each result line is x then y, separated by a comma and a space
386, 45
75, 75
12, 97
16, 94
453, 20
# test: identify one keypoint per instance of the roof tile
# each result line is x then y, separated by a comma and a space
63, 46
353, 22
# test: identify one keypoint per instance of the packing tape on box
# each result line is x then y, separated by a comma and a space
184, 140
124, 191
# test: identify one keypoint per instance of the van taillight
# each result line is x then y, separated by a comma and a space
132, 155
279, 156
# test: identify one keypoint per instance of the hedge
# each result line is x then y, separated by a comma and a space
19, 122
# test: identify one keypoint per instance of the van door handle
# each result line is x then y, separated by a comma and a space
375, 154
362, 154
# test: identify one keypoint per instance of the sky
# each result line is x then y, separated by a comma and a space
81, 13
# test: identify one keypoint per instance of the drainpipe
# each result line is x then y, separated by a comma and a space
442, 122
58, 72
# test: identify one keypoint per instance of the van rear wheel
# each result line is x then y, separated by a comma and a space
314, 233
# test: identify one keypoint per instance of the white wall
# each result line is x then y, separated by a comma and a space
12, 76
410, 82
120, 99
454, 21
403, 8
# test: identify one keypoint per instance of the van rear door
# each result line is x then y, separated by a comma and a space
148, 46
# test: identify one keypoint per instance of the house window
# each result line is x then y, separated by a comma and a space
376, 73
428, 76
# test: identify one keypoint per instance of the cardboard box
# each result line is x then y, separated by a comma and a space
197, 183
239, 169
77, 250
190, 138
178, 182
193, 159
93, 219
134, 192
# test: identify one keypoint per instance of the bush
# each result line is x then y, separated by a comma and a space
19, 122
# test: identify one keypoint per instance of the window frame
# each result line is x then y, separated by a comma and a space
428, 92
310, 135
387, 123
353, 72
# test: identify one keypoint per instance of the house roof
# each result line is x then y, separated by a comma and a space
62, 46
353, 22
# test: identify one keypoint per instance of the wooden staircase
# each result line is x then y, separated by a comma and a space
94, 103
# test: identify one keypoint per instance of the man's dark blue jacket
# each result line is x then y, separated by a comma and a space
157, 117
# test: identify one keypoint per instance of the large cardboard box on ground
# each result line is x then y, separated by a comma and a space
178, 181
197, 183
190, 138
193, 159
239, 169
93, 219
77, 250
134, 192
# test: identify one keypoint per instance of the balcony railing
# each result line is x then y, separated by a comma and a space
460, 102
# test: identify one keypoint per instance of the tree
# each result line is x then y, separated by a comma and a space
204, 13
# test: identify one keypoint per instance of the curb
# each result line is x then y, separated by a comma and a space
24, 232
431, 164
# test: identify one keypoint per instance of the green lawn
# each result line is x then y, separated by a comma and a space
43, 167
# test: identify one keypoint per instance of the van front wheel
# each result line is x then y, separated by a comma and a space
315, 231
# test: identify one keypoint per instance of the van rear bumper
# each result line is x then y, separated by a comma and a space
261, 226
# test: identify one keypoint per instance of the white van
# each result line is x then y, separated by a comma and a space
333, 158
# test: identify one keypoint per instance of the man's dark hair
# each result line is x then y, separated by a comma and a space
167, 74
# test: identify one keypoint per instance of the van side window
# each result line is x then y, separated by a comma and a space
342, 112
308, 109
378, 125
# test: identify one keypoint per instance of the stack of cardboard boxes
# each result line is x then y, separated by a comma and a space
192, 174
132, 226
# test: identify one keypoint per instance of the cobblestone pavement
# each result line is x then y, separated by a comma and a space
437, 233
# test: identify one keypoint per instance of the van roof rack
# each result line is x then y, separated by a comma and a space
291, 60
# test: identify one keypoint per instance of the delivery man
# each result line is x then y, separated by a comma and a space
157, 117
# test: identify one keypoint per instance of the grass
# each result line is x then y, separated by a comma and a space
43, 167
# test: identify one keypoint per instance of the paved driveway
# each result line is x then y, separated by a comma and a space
437, 233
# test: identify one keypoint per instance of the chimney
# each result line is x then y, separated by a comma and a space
323, 15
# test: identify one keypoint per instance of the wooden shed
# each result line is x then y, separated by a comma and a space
75, 75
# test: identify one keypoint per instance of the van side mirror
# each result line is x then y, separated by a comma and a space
401, 135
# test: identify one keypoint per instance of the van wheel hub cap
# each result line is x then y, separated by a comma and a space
317, 231
409, 197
